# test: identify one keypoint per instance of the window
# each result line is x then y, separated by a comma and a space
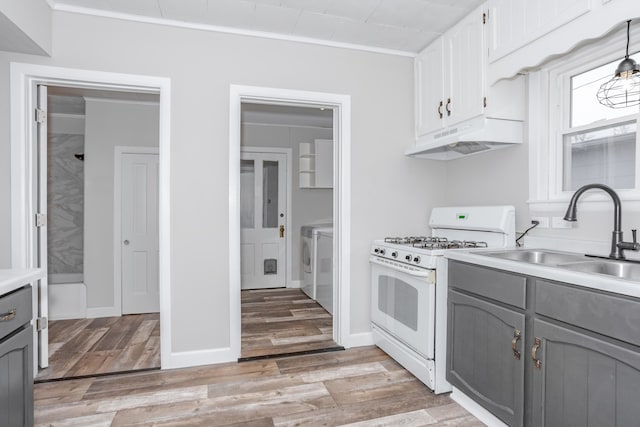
598, 142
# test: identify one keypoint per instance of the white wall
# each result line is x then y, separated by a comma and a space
497, 177
202, 65
308, 205
108, 124
26, 26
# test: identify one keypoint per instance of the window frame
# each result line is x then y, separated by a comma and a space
549, 121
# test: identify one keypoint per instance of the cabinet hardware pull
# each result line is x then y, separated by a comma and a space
514, 342
534, 352
447, 107
440, 109
8, 315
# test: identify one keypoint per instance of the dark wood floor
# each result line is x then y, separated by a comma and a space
82, 347
356, 387
279, 321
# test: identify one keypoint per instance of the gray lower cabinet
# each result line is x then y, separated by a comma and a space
580, 350
16, 359
483, 355
583, 380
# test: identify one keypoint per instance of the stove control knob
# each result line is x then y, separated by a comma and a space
382, 251
408, 257
394, 254
376, 250
417, 260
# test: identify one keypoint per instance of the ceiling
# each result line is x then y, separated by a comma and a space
395, 26
71, 100
287, 115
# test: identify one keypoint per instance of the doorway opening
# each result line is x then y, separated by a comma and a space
286, 220
85, 190
260, 122
101, 174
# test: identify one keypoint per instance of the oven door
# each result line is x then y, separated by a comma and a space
403, 303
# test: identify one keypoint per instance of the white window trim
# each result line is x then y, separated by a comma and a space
547, 118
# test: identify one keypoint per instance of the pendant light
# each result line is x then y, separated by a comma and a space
623, 90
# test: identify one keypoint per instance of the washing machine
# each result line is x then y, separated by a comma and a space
324, 269
309, 236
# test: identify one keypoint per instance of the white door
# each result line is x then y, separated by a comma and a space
263, 203
41, 227
139, 233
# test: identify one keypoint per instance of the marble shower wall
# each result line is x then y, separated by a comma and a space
65, 195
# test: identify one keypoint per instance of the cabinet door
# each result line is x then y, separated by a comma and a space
16, 379
429, 81
480, 359
464, 45
584, 380
516, 23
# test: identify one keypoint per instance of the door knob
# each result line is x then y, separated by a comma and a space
126, 242
281, 231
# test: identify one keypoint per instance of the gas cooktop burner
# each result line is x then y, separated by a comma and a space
406, 240
442, 243
425, 242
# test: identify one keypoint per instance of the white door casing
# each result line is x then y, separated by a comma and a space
23, 79
138, 237
263, 211
41, 225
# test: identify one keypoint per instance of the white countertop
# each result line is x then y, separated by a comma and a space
12, 279
587, 280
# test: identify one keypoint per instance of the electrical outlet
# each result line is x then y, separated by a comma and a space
559, 222
543, 221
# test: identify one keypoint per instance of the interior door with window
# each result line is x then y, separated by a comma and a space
263, 192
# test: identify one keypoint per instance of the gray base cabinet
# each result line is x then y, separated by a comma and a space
481, 360
16, 379
583, 380
579, 350
16, 359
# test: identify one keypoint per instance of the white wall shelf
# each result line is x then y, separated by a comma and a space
315, 161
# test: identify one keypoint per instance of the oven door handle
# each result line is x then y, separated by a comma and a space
392, 266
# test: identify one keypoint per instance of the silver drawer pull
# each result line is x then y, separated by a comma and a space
8, 316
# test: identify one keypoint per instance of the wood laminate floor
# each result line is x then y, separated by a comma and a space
358, 387
105, 345
280, 321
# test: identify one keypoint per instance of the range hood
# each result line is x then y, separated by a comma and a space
474, 136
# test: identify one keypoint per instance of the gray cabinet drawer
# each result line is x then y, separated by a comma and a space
498, 285
606, 314
15, 310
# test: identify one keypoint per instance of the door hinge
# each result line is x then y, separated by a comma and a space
41, 324
41, 220
484, 17
484, 102
41, 116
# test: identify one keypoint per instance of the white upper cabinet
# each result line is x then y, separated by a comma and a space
523, 34
516, 23
430, 88
450, 81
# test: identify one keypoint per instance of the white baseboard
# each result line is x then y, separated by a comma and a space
476, 410
361, 339
296, 284
67, 301
94, 312
187, 359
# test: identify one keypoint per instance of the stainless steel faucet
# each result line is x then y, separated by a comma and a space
618, 245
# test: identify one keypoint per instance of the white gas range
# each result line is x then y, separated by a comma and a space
409, 285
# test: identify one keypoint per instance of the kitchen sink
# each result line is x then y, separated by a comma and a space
536, 256
620, 269
571, 261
